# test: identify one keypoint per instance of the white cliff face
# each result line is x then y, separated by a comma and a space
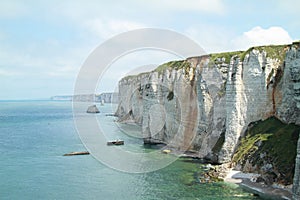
164, 104
182, 108
289, 108
235, 109
206, 108
248, 96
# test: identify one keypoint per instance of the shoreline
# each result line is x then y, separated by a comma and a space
245, 180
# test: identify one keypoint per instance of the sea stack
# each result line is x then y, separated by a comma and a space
93, 109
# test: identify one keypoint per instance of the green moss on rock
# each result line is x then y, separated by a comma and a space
270, 142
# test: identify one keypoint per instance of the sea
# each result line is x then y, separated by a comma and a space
34, 136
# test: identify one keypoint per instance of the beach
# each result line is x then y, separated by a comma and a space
247, 181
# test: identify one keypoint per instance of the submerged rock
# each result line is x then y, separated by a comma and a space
93, 109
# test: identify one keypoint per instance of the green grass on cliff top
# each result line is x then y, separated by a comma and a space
178, 64
278, 143
273, 51
227, 55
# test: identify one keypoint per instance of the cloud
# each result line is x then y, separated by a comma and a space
42, 59
219, 39
212, 6
107, 28
12, 9
5, 72
258, 36
211, 38
64, 71
290, 6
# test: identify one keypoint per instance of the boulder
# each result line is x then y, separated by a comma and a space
93, 109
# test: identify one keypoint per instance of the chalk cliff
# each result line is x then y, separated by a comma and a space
213, 98
205, 104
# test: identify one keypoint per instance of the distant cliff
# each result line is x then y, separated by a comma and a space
205, 104
107, 97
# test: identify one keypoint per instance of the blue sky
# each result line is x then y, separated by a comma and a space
43, 44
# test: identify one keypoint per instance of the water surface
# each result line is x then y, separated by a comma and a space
35, 134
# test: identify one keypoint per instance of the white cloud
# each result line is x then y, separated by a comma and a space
218, 39
211, 6
5, 72
35, 60
291, 6
12, 9
64, 71
107, 28
258, 36
211, 38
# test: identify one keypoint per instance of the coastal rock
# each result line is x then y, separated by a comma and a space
205, 104
289, 108
296, 185
268, 148
93, 109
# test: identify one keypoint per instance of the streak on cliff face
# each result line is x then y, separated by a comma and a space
209, 101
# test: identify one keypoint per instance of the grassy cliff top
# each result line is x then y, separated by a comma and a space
218, 57
177, 64
272, 51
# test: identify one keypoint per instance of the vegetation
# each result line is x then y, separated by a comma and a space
217, 58
273, 51
134, 76
270, 141
178, 64
222, 91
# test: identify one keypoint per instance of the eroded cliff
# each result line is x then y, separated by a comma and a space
205, 104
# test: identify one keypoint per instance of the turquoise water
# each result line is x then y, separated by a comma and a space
35, 134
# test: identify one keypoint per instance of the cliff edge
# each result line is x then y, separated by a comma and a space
205, 104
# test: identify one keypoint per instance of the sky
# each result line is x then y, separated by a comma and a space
43, 44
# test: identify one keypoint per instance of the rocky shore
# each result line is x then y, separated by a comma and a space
248, 182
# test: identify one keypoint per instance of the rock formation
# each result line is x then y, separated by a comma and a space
108, 97
205, 104
296, 185
93, 109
